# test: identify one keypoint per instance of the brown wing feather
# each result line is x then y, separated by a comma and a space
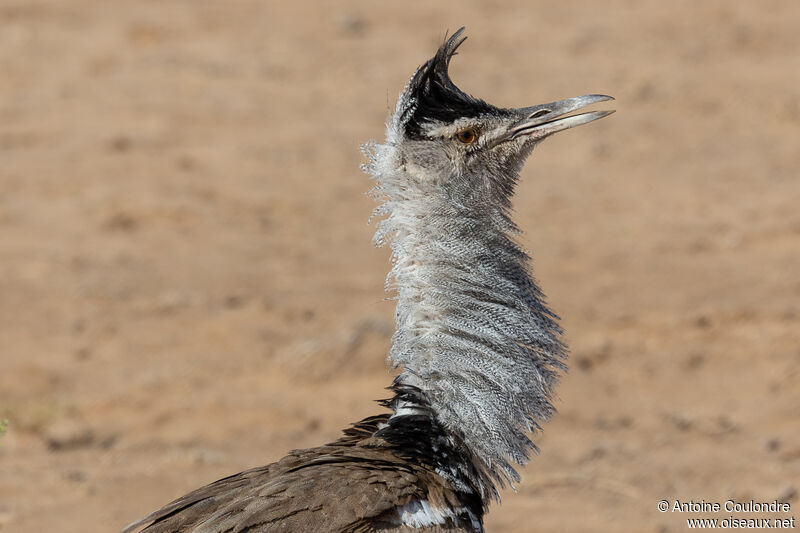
323, 493
351, 485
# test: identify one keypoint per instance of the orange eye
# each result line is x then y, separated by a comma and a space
467, 136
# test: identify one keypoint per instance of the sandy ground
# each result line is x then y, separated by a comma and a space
187, 285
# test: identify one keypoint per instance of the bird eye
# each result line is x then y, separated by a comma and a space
467, 136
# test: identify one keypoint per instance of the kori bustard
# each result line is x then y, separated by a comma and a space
478, 349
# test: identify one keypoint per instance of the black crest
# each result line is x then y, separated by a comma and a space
433, 95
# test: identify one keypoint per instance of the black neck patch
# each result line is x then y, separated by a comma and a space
420, 438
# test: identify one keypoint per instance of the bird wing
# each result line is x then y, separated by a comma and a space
352, 485
321, 489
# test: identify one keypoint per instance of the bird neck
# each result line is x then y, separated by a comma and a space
474, 336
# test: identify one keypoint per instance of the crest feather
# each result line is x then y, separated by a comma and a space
432, 96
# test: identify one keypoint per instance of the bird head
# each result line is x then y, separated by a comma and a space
445, 135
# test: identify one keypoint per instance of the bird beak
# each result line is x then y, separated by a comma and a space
542, 120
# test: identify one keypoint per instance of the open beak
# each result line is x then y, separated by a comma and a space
542, 120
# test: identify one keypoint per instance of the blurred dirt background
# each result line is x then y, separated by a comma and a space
187, 284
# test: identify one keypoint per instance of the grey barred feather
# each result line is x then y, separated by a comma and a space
473, 330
